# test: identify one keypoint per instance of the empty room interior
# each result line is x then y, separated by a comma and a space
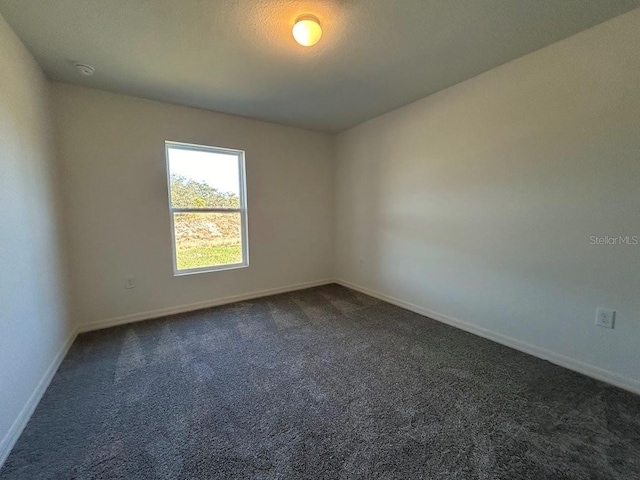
320, 239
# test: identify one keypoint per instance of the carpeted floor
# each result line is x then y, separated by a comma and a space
321, 383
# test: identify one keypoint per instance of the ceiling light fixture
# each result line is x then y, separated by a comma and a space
307, 30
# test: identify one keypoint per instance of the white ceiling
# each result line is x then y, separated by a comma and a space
238, 56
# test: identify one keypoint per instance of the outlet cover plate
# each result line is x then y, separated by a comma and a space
605, 317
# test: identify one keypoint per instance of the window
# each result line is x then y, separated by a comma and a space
208, 204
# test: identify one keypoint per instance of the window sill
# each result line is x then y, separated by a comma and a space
221, 268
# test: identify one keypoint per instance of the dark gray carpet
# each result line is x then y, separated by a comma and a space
322, 383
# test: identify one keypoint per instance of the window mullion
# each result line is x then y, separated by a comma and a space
205, 210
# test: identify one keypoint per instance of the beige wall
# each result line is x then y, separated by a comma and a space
33, 320
111, 149
479, 202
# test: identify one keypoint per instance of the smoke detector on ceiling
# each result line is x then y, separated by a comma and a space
84, 70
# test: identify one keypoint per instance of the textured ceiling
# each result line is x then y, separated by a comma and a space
238, 56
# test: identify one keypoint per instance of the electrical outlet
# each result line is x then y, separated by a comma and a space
361, 262
605, 317
130, 282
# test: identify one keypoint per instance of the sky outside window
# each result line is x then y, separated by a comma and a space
218, 170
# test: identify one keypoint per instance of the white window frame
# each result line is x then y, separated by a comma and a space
244, 234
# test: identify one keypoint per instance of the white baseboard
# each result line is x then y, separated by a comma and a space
21, 421
606, 376
137, 317
10, 439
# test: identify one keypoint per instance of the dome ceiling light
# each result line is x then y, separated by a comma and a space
307, 30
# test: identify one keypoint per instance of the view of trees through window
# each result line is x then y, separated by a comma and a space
201, 182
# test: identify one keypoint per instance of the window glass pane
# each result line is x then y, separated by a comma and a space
202, 179
207, 239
